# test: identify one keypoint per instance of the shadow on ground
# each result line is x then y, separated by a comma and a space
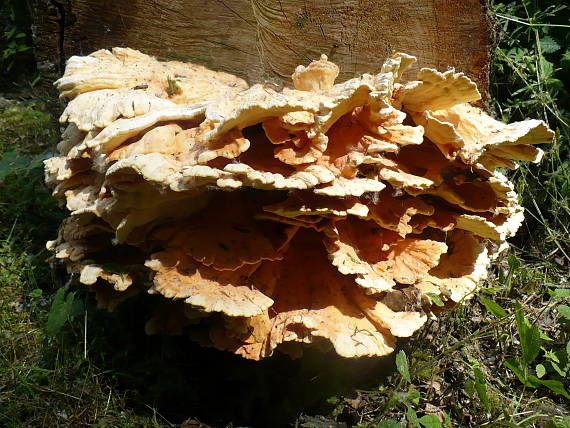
180, 379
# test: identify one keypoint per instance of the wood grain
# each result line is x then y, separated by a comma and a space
265, 39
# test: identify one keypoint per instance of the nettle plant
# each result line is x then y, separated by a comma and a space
540, 360
532, 63
13, 41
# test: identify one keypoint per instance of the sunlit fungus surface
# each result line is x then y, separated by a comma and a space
340, 215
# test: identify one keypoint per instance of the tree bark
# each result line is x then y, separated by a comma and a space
265, 39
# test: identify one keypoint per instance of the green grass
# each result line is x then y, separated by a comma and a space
44, 381
531, 78
500, 360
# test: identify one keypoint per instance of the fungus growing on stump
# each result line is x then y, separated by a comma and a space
263, 218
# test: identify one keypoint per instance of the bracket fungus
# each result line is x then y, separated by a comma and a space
263, 218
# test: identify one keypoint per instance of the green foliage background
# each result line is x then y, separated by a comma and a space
16, 57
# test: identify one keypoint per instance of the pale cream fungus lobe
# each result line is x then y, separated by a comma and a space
264, 219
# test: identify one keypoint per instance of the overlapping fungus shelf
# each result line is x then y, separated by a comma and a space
265, 217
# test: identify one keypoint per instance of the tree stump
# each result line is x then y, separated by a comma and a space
264, 39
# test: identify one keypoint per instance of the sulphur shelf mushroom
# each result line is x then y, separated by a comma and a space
263, 218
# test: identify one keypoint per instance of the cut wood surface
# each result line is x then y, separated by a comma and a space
265, 40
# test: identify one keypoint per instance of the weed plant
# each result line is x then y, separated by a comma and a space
16, 59
499, 360
502, 359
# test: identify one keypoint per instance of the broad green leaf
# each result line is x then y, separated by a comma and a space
546, 68
446, 419
549, 45
516, 54
60, 312
493, 307
392, 401
561, 293
56, 316
568, 349
8, 34
35, 293
558, 369
402, 366
435, 299
553, 385
470, 387
515, 366
430, 421
481, 386
412, 417
544, 336
413, 396
76, 308
389, 423
529, 335
564, 310
514, 262
540, 370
